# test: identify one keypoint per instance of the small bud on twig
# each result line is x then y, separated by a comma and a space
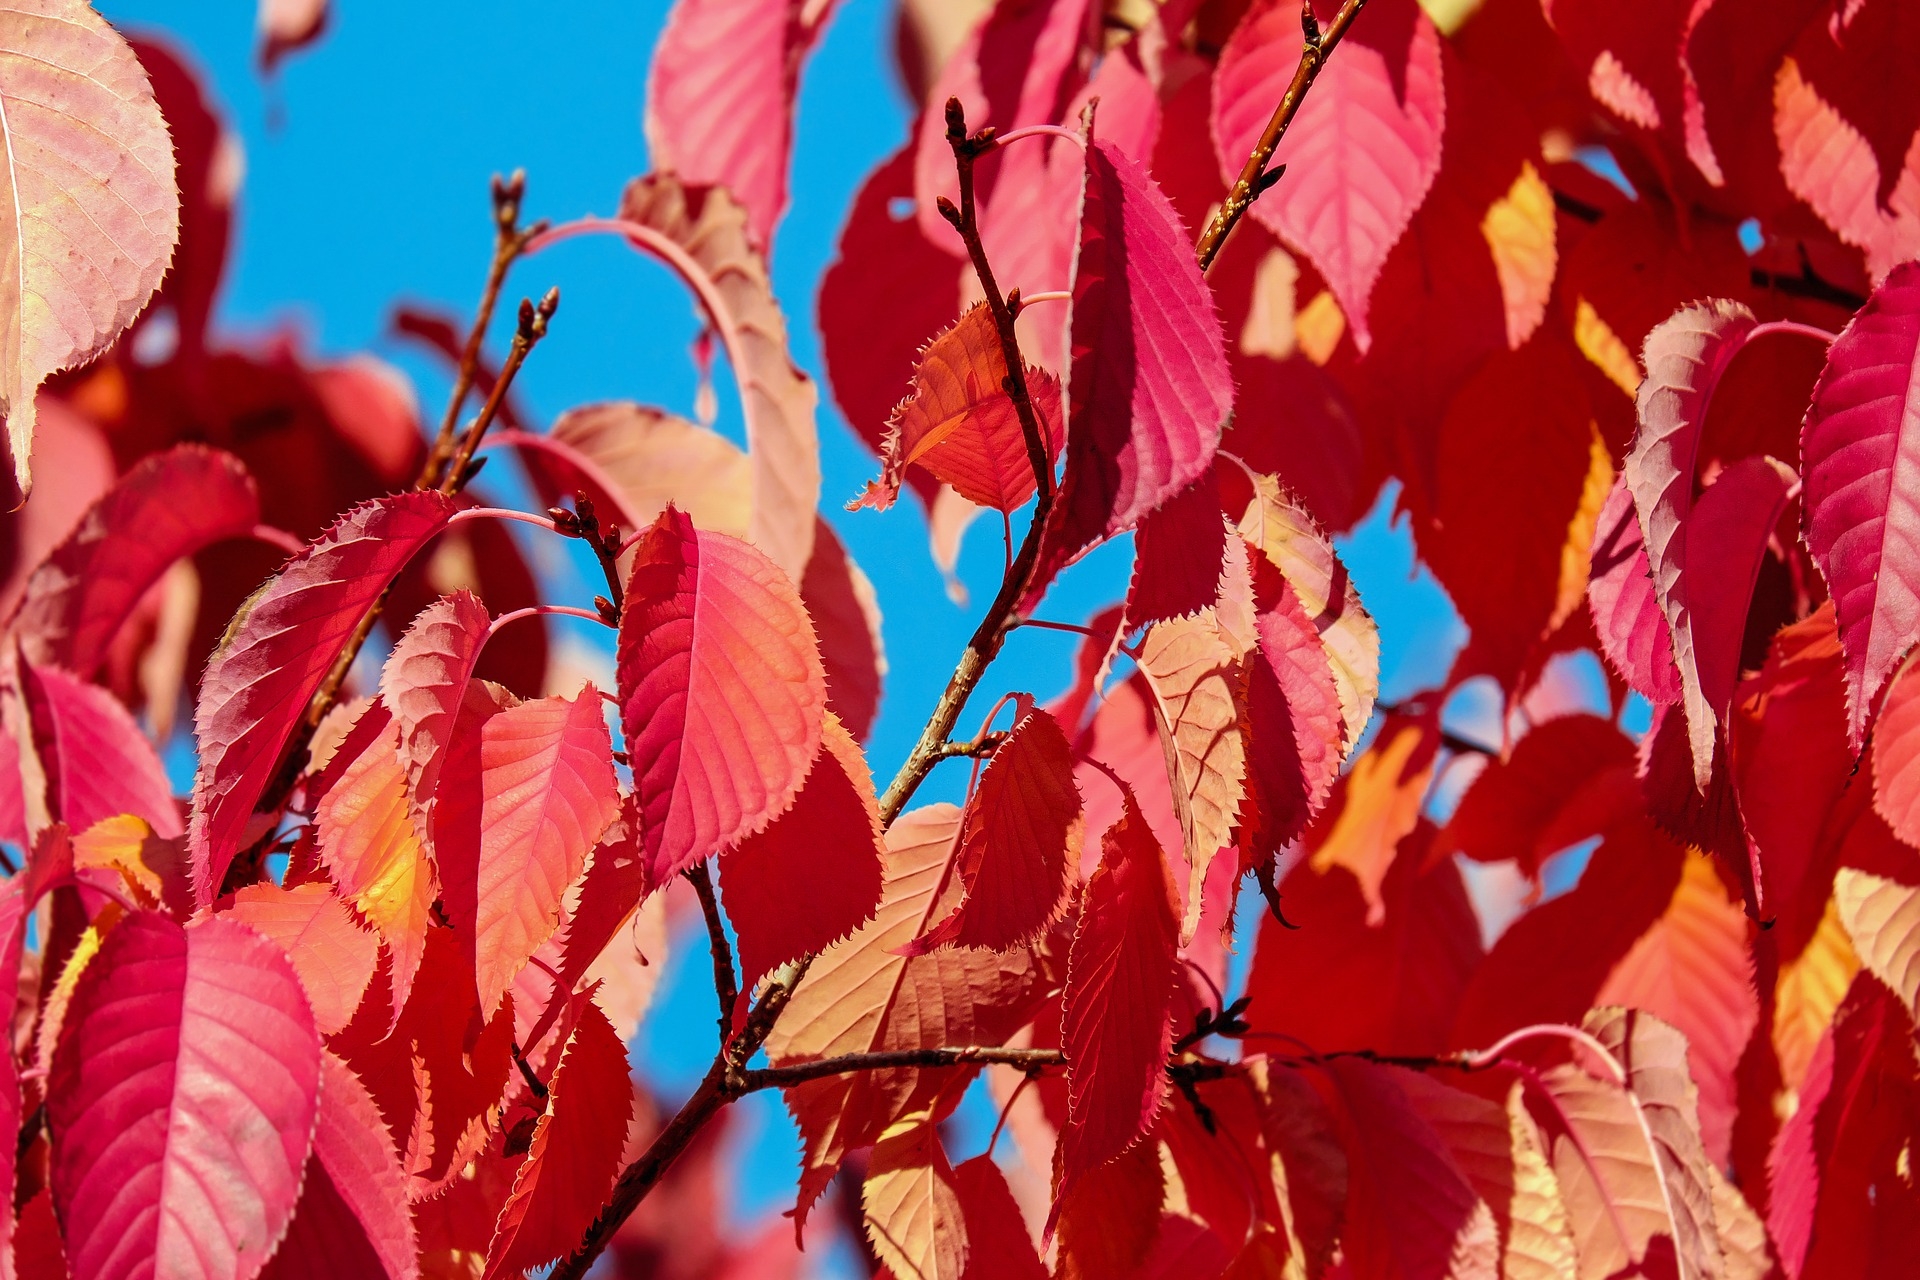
1309, 25
550, 303
1268, 178
947, 211
472, 469
956, 121
608, 614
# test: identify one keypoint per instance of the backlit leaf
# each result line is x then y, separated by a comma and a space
92, 214
95, 759
910, 1207
423, 683
182, 1101
1558, 786
1626, 613
331, 954
1882, 917
274, 656
721, 691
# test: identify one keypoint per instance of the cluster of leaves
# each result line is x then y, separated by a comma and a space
360, 1005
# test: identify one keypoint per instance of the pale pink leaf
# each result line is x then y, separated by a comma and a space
182, 1101
1829, 164
720, 98
423, 684
276, 652
90, 215
1860, 454
1362, 151
332, 955
171, 505
721, 691
1626, 615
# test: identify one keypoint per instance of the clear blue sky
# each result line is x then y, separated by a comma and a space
367, 166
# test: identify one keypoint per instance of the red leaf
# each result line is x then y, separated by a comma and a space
169, 506
1020, 840
352, 1218
202, 146
422, 685
1410, 1210
1363, 149
720, 98
331, 954
1562, 784
1896, 757
1150, 389
182, 1100
1861, 519
846, 619
998, 1247
276, 653
1115, 1028
575, 1152
1296, 737
721, 691
96, 761
1177, 556
530, 789
813, 875
1626, 614
960, 424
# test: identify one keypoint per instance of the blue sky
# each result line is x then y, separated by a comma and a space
367, 166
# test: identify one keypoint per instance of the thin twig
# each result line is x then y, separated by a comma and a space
526, 335
879, 1060
1255, 177
724, 984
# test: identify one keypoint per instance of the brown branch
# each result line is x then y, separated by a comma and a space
526, 335
724, 984
1255, 177
1030, 1060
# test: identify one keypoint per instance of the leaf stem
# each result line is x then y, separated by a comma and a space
1255, 177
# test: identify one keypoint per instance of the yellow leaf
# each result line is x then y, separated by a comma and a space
1377, 806
1319, 326
1809, 989
1270, 315
1576, 553
1600, 344
910, 1206
1519, 229
1883, 918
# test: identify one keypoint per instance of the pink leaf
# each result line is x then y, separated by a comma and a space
1896, 757
1296, 736
1626, 615
423, 683
527, 802
1115, 1030
575, 1153
721, 691
171, 505
1020, 840
846, 618
1859, 448
96, 761
1150, 389
1684, 356
182, 1100
275, 654
287, 26
814, 875
720, 97
1177, 555
1361, 153
352, 1218
93, 211
332, 955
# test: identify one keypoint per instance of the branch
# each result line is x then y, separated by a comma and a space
1254, 175
1028, 1060
724, 984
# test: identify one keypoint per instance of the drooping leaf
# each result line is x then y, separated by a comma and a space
1280, 527
720, 98
374, 853
92, 214
701, 232
331, 954
1179, 556
721, 691
1560, 785
1115, 1029
532, 791
815, 874
910, 1208
1019, 841
1149, 389
863, 995
1296, 737
638, 459
575, 1153
95, 759
352, 1217
1410, 1210
961, 424
182, 1101
1364, 148
1194, 678
171, 505
998, 1247
1861, 512
276, 653
1626, 613
846, 619
422, 685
